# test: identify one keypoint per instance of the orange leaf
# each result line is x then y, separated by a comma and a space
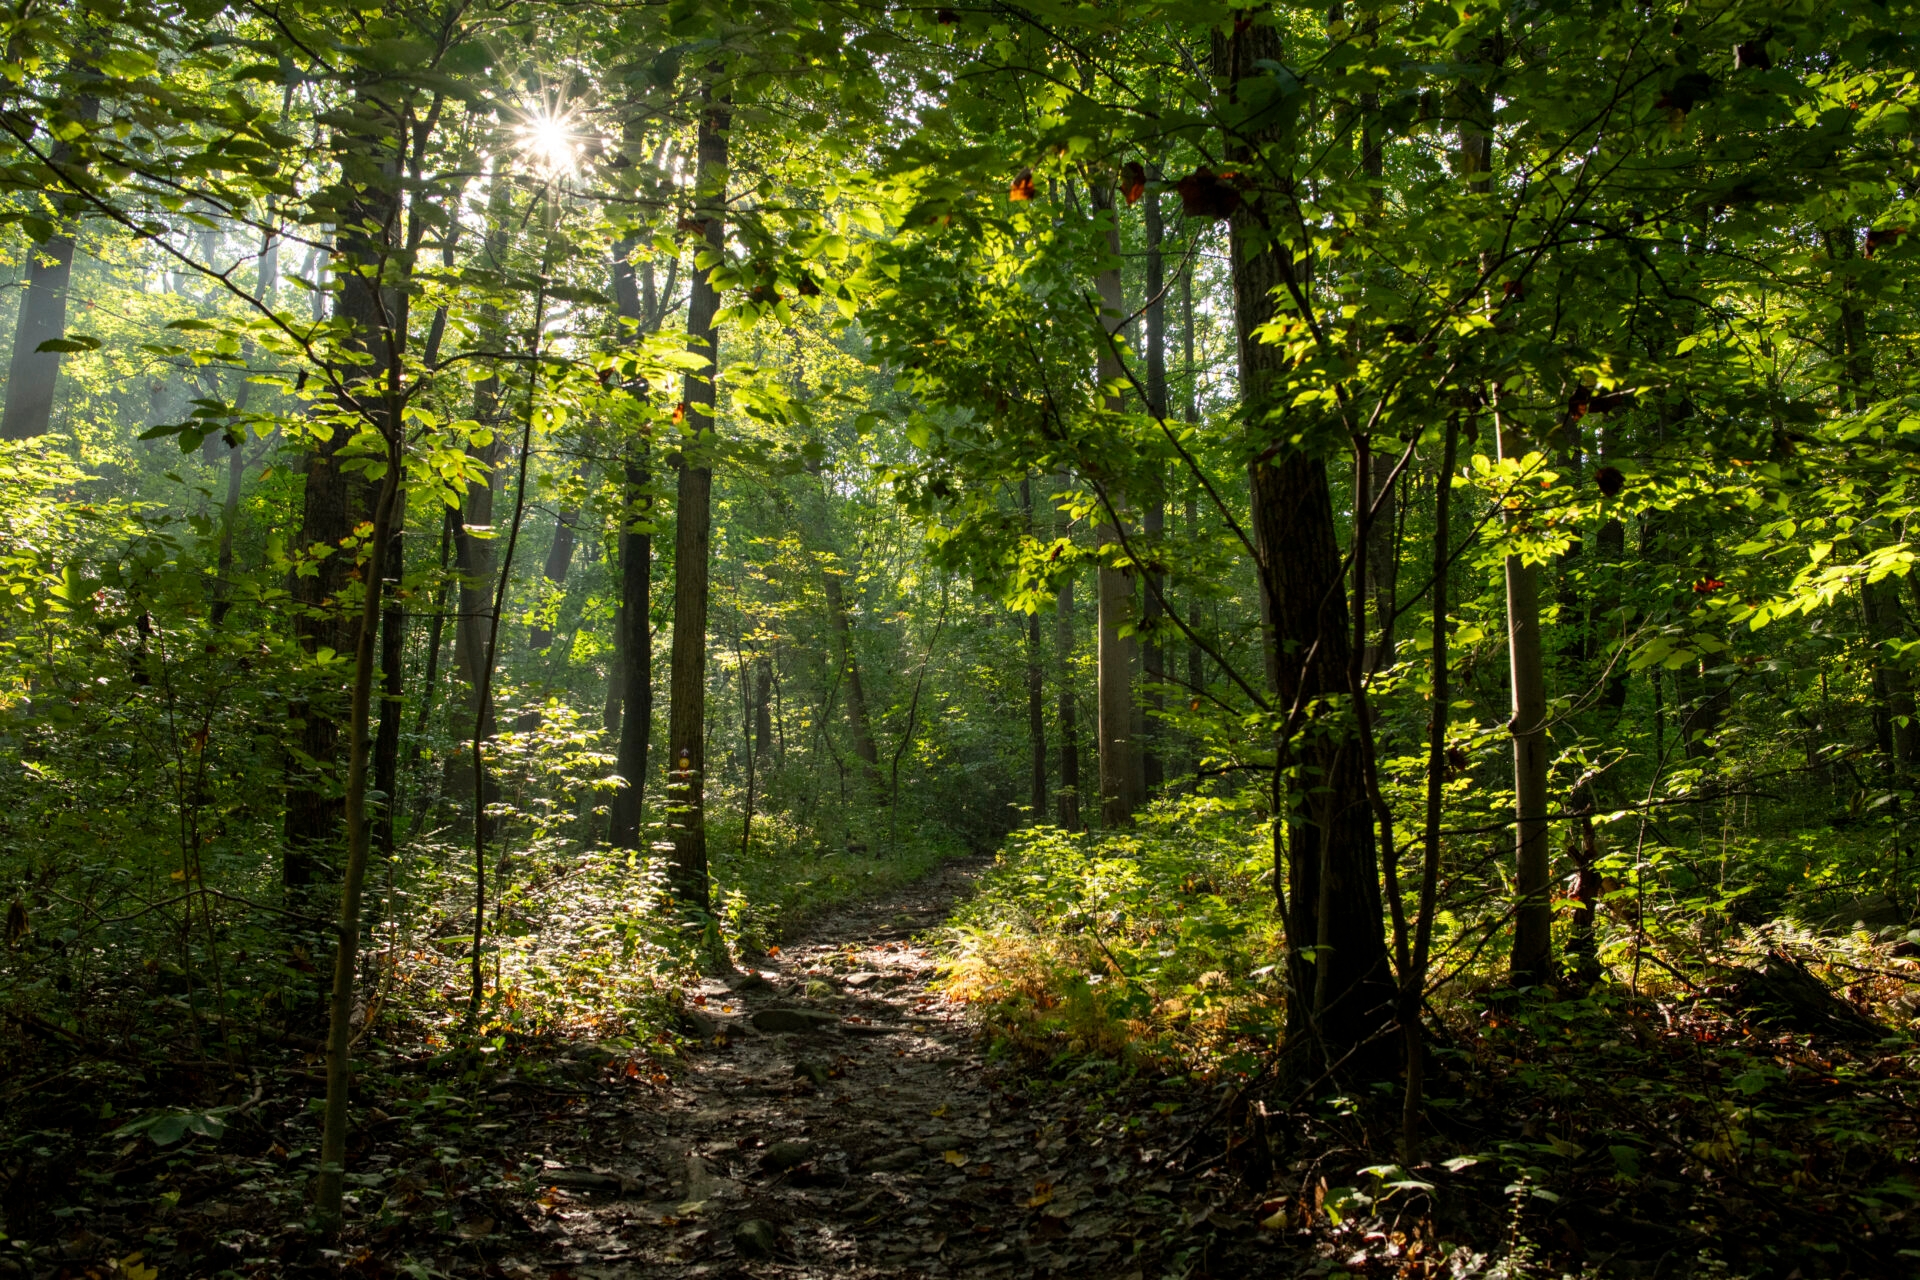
1022, 189
1133, 181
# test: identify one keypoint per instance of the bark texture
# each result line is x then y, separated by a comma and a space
1337, 956
1121, 779
33, 375
693, 530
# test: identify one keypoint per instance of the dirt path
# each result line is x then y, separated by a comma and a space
841, 1121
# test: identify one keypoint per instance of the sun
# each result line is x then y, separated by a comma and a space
548, 141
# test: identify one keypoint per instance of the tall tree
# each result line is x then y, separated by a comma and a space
1121, 776
40, 334
1036, 689
1067, 798
631, 695
1154, 649
1327, 865
693, 515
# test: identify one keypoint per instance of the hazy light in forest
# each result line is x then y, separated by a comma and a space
548, 141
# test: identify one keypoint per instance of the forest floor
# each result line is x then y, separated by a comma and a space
841, 1120
828, 1112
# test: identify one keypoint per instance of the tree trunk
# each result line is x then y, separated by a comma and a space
1533, 909
372, 302
1892, 683
634, 668
1190, 512
1343, 994
1894, 723
1068, 797
1383, 560
856, 695
1153, 649
559, 562
1121, 780
473, 552
693, 521
264, 285
393, 642
34, 375
762, 707
1413, 983
334, 503
1611, 544
1036, 691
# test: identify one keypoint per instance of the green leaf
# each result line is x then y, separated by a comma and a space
65, 346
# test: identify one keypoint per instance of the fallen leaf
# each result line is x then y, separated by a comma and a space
1042, 1192
954, 1158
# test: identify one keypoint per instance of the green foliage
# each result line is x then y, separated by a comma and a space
1145, 947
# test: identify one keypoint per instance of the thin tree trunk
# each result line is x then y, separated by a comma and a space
1153, 649
1121, 779
1036, 690
1068, 796
686, 726
1196, 658
1533, 909
473, 553
634, 668
559, 562
435, 632
856, 699
264, 285
1894, 713
913, 723
488, 656
393, 642
762, 706
333, 1126
1413, 983
1383, 561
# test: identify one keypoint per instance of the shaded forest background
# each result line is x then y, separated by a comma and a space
1389, 525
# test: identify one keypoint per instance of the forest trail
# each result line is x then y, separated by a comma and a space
870, 1139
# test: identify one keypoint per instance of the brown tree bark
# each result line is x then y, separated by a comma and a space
693, 524
1343, 993
1153, 651
1067, 798
393, 642
1190, 511
1036, 691
634, 667
33, 375
1532, 957
374, 305
334, 503
1121, 779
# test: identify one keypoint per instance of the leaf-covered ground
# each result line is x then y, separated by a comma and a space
829, 1114
832, 1111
